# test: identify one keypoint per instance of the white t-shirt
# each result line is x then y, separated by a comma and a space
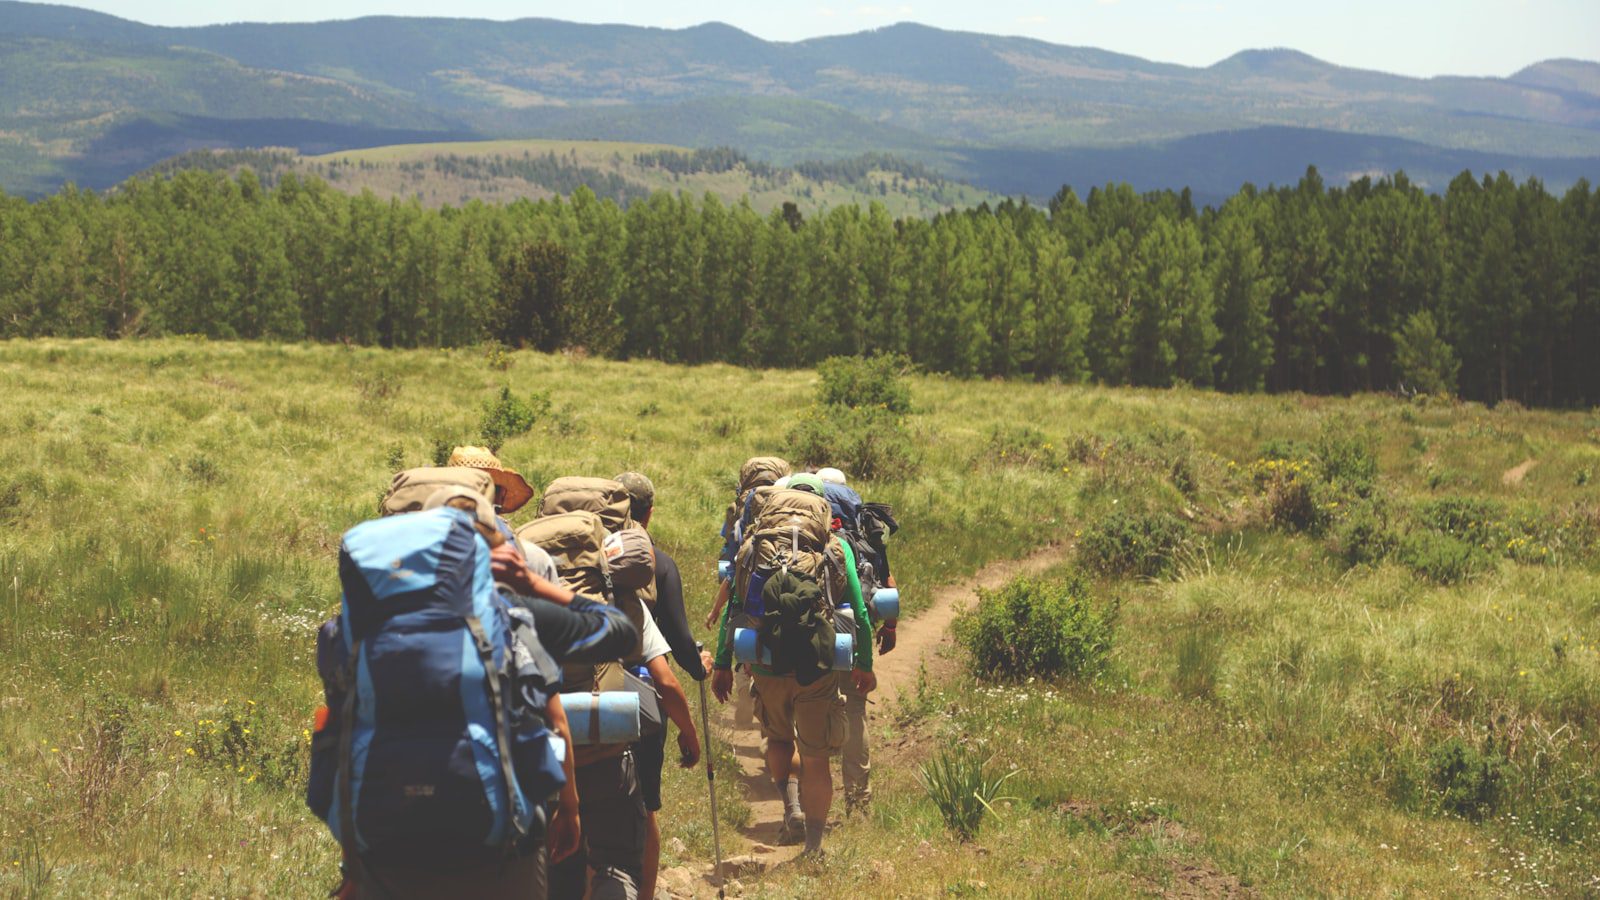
653, 644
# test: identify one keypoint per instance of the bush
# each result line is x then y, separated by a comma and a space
1126, 543
1034, 627
1365, 537
1295, 500
1471, 519
507, 417
866, 442
1345, 458
1468, 782
956, 783
871, 381
1441, 558
1023, 447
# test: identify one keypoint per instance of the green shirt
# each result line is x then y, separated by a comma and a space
858, 606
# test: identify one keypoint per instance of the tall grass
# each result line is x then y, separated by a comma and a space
171, 511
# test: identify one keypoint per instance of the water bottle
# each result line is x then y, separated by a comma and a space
724, 570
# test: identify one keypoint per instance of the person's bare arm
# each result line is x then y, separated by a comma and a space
716, 607
676, 706
565, 830
510, 569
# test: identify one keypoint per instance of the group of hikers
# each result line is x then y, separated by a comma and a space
496, 698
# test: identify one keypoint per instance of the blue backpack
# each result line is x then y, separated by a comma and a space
435, 750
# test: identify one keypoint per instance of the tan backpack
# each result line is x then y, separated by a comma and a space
411, 488
793, 531
606, 498
757, 472
576, 543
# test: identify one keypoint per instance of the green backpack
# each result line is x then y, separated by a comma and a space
797, 626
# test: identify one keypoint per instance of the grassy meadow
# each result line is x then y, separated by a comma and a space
1356, 647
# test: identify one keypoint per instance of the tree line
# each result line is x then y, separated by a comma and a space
1490, 290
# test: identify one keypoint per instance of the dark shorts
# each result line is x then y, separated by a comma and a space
651, 754
613, 827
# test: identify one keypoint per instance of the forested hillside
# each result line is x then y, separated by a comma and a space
1492, 290
106, 97
503, 171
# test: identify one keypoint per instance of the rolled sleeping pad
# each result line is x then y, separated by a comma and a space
844, 652
744, 647
611, 717
724, 570
744, 650
885, 603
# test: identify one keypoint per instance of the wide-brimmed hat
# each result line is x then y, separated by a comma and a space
517, 490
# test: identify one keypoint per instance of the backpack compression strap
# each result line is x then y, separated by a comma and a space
347, 730
497, 708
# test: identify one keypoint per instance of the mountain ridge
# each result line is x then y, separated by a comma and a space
933, 95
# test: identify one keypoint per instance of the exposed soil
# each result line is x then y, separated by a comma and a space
1514, 475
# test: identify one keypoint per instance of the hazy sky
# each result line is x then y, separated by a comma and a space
1412, 37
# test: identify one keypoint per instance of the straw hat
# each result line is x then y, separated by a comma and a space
517, 490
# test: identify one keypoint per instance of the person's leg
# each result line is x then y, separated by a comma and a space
652, 856
856, 762
616, 832
650, 753
816, 797
820, 728
774, 711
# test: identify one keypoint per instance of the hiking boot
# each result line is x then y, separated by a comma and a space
793, 830
857, 805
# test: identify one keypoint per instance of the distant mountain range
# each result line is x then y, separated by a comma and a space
92, 97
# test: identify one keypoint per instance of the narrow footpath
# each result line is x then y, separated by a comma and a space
754, 849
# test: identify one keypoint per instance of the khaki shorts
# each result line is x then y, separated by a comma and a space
811, 716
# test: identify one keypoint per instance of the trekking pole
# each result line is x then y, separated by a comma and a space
711, 781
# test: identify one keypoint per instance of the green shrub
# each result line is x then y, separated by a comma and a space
1471, 519
865, 381
1023, 447
508, 416
245, 741
1441, 558
1467, 782
1345, 458
1129, 543
956, 783
1365, 538
1032, 627
867, 442
1295, 500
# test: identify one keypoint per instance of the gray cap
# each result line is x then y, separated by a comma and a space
640, 488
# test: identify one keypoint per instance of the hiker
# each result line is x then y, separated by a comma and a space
855, 761
757, 472
787, 573
673, 623
406, 712
586, 524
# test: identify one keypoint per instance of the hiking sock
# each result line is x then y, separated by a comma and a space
814, 834
791, 798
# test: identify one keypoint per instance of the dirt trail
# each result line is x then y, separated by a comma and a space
1514, 475
920, 642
